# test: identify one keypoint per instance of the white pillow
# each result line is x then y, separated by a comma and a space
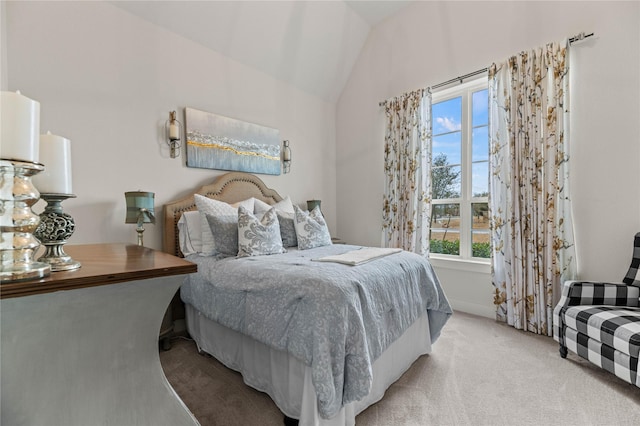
215, 208
247, 204
285, 205
190, 233
258, 237
311, 229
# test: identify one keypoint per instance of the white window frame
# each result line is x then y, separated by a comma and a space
464, 91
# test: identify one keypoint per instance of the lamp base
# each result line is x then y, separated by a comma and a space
55, 228
55, 256
140, 231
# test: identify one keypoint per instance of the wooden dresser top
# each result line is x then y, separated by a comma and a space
103, 264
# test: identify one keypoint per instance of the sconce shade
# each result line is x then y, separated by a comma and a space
140, 205
173, 129
286, 157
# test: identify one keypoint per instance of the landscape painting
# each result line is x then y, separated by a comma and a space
223, 143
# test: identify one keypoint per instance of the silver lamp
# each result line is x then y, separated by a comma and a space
140, 210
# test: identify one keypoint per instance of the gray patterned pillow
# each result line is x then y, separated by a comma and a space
225, 233
287, 229
258, 237
311, 229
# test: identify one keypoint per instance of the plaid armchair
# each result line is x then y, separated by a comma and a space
601, 321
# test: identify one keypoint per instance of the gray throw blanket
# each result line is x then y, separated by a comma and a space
336, 318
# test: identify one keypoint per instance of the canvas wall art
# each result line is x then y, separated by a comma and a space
223, 143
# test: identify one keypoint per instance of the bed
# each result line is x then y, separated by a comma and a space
322, 338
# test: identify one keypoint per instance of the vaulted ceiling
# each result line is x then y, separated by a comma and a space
311, 45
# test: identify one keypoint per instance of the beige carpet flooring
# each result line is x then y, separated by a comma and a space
479, 373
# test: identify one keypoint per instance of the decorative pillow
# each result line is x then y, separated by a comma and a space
287, 229
225, 233
216, 208
285, 205
190, 233
258, 237
311, 229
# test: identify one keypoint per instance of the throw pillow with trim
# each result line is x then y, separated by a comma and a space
311, 229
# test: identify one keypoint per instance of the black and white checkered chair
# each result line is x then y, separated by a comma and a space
601, 321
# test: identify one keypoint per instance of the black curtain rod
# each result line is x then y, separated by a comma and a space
461, 79
579, 37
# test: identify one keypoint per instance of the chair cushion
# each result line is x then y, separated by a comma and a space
617, 327
622, 365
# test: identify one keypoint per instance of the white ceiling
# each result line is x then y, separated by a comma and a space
311, 45
377, 10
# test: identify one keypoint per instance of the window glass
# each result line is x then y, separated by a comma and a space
480, 144
480, 104
447, 148
445, 179
445, 229
460, 172
447, 116
481, 246
480, 179
446, 130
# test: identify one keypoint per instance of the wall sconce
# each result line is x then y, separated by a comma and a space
140, 209
173, 129
286, 157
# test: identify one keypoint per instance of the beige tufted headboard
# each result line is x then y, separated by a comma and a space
229, 187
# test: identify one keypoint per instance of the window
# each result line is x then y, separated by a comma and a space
460, 172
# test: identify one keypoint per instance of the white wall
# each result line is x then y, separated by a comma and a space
3, 46
107, 80
431, 42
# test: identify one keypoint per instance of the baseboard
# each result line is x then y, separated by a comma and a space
472, 308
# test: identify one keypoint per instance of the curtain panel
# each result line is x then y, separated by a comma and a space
531, 224
407, 159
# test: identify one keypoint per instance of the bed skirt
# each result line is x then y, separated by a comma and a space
287, 380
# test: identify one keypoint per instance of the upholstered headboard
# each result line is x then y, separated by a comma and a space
229, 187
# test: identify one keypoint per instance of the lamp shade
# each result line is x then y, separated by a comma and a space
311, 204
140, 205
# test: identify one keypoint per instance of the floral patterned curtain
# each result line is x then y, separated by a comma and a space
532, 230
407, 156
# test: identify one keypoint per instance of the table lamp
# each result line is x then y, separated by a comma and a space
140, 210
312, 204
